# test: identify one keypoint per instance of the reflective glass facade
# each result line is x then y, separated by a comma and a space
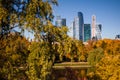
81, 26
76, 29
98, 31
87, 32
60, 21
70, 32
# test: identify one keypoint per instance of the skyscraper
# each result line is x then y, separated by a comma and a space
79, 27
98, 31
87, 32
93, 32
60, 21
71, 30
63, 22
117, 37
76, 28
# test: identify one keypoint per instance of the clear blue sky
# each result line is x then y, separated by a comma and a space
107, 13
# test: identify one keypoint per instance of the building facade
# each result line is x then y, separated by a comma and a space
84, 32
60, 21
63, 22
70, 31
93, 29
81, 26
98, 31
78, 27
117, 37
87, 32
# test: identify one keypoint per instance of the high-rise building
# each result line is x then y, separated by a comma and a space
63, 22
93, 32
81, 26
87, 32
71, 30
60, 21
98, 31
78, 26
74, 33
117, 37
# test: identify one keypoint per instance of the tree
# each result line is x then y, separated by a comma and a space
13, 55
29, 14
109, 46
94, 57
42, 53
35, 16
109, 68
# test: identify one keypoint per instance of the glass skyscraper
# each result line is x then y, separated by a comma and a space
63, 22
78, 27
60, 21
70, 31
117, 37
81, 26
98, 31
87, 32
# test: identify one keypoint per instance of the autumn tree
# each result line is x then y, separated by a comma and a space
36, 16
33, 15
13, 55
42, 53
109, 46
94, 57
101, 58
75, 50
109, 68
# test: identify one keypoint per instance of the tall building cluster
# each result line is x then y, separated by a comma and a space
80, 31
60, 21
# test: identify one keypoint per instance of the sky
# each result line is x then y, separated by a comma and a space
107, 13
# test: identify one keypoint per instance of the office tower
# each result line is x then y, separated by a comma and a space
93, 32
81, 26
76, 29
60, 21
70, 31
74, 32
63, 22
87, 32
98, 31
117, 37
